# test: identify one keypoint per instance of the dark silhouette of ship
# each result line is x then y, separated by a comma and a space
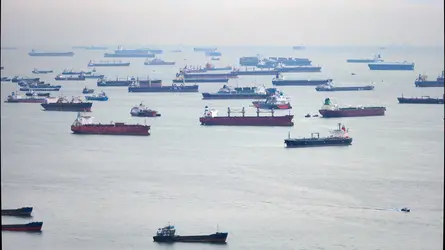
28, 227
167, 234
420, 100
23, 211
422, 81
338, 137
329, 110
62, 104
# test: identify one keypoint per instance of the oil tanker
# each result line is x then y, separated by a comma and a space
279, 80
29, 227
157, 87
391, 66
167, 234
125, 82
331, 88
420, 100
23, 211
338, 137
84, 125
62, 104
328, 110
422, 81
210, 118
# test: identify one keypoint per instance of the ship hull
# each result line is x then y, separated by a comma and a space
51, 54
219, 238
39, 89
248, 121
90, 98
206, 76
111, 129
379, 111
160, 64
30, 227
209, 96
391, 67
74, 107
263, 105
42, 72
108, 64
125, 83
36, 100
361, 61
125, 55
24, 211
186, 89
219, 69
429, 84
420, 100
300, 82
145, 114
70, 79
302, 143
201, 80
299, 69
351, 88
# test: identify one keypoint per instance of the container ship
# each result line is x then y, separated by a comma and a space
29, 227
338, 137
422, 81
420, 100
158, 62
125, 82
391, 66
328, 110
143, 111
377, 58
227, 92
16, 98
279, 80
108, 64
44, 53
210, 118
84, 125
167, 234
276, 101
24, 211
157, 87
40, 71
73, 72
70, 77
62, 104
181, 79
204, 49
329, 87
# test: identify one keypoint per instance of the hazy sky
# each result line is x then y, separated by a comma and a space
222, 22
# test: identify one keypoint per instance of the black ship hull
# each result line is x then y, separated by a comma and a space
24, 211
420, 100
166, 89
316, 142
77, 107
218, 238
208, 96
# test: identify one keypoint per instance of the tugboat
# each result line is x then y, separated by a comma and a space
84, 125
210, 118
62, 104
99, 97
61, 77
328, 110
143, 111
87, 91
158, 62
108, 64
277, 101
29, 227
16, 98
280, 81
338, 137
330, 87
37, 71
420, 100
422, 81
24, 211
227, 92
167, 234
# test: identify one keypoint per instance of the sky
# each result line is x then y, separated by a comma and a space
223, 22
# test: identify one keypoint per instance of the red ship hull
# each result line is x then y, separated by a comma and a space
111, 129
378, 111
248, 121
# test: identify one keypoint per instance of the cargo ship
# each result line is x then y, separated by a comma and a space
84, 125
298, 69
279, 80
108, 64
158, 62
50, 88
420, 100
249, 61
391, 66
157, 87
94, 76
81, 72
42, 85
338, 137
40, 71
329, 87
181, 79
422, 81
16, 98
210, 75
101, 96
210, 118
87, 91
287, 61
227, 92
5, 79
44, 53
143, 111
329, 110
377, 58
129, 55
276, 101
33, 93
24, 78
29, 227
167, 234
62, 104
24, 211
61, 77
204, 49
254, 72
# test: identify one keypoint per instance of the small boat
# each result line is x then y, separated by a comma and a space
405, 209
99, 97
40, 71
277, 101
24, 211
33, 93
87, 91
143, 111
158, 62
29, 227
307, 115
167, 234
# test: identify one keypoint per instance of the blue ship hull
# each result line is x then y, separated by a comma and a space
429, 84
362, 61
377, 66
93, 98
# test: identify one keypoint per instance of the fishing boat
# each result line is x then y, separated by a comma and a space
101, 96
